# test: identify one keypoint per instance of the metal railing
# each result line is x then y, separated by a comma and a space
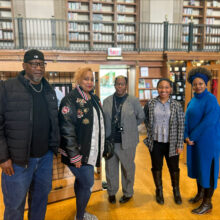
57, 34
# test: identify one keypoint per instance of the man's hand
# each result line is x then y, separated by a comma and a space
7, 167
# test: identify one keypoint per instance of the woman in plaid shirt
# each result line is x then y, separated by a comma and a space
165, 127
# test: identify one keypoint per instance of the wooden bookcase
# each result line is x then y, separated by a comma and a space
205, 12
6, 24
177, 74
147, 76
95, 24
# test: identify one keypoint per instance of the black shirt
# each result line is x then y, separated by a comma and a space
41, 123
116, 117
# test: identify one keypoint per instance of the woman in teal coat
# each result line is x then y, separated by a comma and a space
202, 135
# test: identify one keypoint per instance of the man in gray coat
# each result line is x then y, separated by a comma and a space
123, 113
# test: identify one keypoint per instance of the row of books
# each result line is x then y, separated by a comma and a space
123, 37
74, 5
214, 3
125, 28
97, 7
78, 36
143, 84
73, 26
7, 44
147, 94
102, 37
6, 35
6, 25
5, 4
188, 11
5, 14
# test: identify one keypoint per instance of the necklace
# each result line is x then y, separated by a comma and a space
38, 91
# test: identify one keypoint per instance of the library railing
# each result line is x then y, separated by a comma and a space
57, 34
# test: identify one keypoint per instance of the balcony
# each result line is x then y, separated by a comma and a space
54, 34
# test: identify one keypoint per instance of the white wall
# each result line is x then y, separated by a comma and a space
155, 10
39, 8
35, 30
160, 8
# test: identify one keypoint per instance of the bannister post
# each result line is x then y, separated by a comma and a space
190, 36
165, 37
53, 32
20, 33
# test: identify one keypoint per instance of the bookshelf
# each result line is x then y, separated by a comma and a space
95, 24
147, 76
6, 24
206, 12
177, 72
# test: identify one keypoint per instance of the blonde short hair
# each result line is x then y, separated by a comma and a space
80, 73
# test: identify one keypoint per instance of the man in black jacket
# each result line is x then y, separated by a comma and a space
29, 135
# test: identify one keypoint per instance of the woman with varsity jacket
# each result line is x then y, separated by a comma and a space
82, 137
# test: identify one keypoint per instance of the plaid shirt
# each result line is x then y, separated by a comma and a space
176, 125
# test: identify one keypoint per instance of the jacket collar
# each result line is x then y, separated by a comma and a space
26, 82
82, 93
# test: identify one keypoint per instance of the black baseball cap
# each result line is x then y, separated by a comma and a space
33, 55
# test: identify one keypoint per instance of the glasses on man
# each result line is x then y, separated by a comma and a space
36, 64
120, 84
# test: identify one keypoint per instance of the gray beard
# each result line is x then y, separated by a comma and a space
37, 79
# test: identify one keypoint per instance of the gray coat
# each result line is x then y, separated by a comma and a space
131, 116
176, 125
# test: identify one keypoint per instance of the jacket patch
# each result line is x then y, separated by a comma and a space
79, 113
85, 121
65, 110
81, 101
86, 110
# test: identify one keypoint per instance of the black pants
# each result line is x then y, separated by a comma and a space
159, 151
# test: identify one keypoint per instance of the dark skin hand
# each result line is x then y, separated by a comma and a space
7, 168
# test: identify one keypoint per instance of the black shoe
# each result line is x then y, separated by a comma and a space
159, 196
124, 199
203, 209
197, 198
177, 196
199, 194
157, 175
104, 185
112, 199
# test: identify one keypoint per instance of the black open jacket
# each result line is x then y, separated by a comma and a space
16, 118
76, 135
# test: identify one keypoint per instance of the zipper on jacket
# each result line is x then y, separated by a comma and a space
31, 130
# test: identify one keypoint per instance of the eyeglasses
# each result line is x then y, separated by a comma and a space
35, 64
120, 84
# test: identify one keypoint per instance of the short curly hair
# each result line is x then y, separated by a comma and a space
200, 70
80, 73
121, 76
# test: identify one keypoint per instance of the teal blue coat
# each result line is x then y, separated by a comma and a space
202, 125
